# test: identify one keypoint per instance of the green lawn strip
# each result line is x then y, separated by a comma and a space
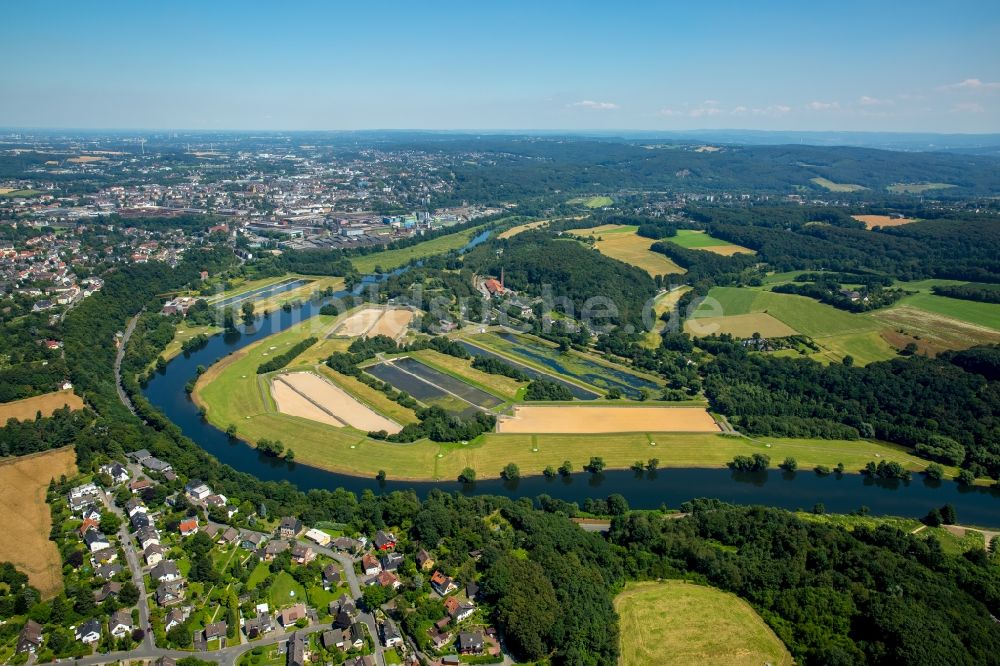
390, 259
281, 591
973, 312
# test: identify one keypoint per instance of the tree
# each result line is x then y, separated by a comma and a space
110, 522
934, 472
511, 472
617, 505
966, 477
468, 475
129, 594
596, 465
549, 472
652, 464
638, 466
247, 310
566, 468
933, 518
948, 514
289, 455
380, 477
789, 464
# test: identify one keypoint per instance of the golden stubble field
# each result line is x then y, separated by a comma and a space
23, 484
27, 409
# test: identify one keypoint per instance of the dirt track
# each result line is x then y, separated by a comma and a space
538, 419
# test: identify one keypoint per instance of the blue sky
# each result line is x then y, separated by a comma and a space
876, 65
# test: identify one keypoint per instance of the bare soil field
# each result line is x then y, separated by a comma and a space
741, 325
23, 483
392, 323
872, 221
572, 419
513, 231
85, 159
310, 396
27, 409
358, 323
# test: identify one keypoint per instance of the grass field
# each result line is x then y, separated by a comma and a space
23, 484
742, 326
663, 302
675, 622
19, 194
972, 312
505, 387
286, 591
621, 242
917, 188
592, 202
390, 259
185, 333
28, 408
700, 240
837, 187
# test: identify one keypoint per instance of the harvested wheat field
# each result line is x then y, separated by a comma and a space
23, 483
86, 159
27, 409
872, 221
310, 396
393, 323
538, 419
741, 326
675, 622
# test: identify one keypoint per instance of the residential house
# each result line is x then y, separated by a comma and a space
291, 615
140, 456
117, 472
88, 524
369, 565
470, 642
392, 561
357, 635
140, 520
333, 638
133, 506
197, 490
273, 548
424, 560
331, 576
438, 638
229, 535
259, 625
96, 541
251, 540
302, 554
176, 617
342, 620
289, 527
471, 590
188, 527
105, 556
443, 585
459, 610
347, 544
170, 592
157, 465
390, 634
140, 485
296, 650
165, 572
89, 632
385, 540
147, 536
108, 571
363, 660
215, 630
109, 589
120, 623
30, 638
153, 554
388, 579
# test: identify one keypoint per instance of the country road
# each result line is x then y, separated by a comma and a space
118, 362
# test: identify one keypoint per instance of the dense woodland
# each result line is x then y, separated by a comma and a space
567, 272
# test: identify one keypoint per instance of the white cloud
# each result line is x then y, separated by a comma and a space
968, 107
822, 106
591, 104
711, 108
874, 101
974, 85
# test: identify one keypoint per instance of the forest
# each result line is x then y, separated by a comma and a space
915, 401
566, 272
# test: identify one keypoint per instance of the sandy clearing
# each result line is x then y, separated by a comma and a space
23, 483
539, 419
872, 221
84, 159
513, 231
726, 250
46, 403
320, 400
358, 323
393, 323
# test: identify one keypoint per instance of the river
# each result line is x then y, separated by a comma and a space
669, 486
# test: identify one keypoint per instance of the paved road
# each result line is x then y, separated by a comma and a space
118, 362
135, 567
